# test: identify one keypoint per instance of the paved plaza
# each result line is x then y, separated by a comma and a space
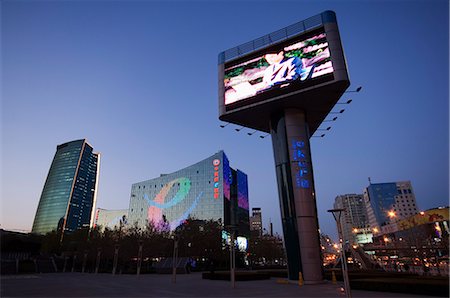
155, 285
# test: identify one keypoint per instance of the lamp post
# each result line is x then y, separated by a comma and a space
233, 261
174, 259
232, 230
97, 262
337, 216
116, 258
84, 260
139, 260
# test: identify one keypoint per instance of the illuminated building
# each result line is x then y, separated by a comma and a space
256, 221
420, 240
207, 190
435, 220
354, 219
388, 203
69, 193
110, 219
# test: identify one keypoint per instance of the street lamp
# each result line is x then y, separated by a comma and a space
340, 112
331, 120
337, 217
345, 103
139, 260
116, 257
174, 259
232, 230
357, 90
321, 136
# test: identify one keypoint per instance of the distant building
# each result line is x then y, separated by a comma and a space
433, 216
387, 203
354, 220
256, 221
110, 219
207, 190
421, 239
69, 195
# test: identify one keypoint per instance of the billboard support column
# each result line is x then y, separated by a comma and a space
290, 140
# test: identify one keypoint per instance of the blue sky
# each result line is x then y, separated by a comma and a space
138, 79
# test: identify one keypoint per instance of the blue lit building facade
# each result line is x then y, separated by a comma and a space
382, 200
207, 190
68, 198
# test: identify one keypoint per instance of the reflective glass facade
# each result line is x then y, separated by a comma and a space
382, 200
69, 193
202, 191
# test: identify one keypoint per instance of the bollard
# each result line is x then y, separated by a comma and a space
300, 279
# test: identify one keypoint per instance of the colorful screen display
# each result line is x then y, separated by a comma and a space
227, 177
242, 186
293, 63
161, 201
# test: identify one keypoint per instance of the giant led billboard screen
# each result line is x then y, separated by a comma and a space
301, 66
293, 64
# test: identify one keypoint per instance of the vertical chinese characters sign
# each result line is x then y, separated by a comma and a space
301, 164
216, 163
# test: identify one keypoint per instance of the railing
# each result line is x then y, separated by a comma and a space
277, 36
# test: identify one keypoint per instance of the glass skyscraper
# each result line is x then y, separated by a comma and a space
68, 199
207, 190
388, 203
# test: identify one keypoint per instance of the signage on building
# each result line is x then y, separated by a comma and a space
216, 163
301, 167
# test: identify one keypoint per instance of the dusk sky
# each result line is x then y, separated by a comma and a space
138, 80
